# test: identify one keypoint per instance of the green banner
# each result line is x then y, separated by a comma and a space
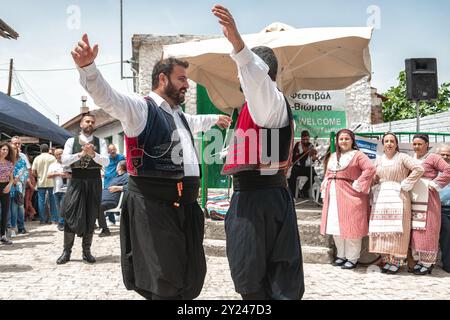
319, 112
319, 123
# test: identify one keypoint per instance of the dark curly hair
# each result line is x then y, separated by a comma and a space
268, 56
166, 67
11, 153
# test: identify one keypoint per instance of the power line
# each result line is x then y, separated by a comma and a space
19, 86
56, 70
33, 94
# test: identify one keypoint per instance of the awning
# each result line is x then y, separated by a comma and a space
20, 117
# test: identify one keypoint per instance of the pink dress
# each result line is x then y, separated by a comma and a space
352, 205
6, 168
426, 242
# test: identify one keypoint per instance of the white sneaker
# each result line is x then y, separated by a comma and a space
13, 234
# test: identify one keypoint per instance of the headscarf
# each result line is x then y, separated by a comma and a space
351, 134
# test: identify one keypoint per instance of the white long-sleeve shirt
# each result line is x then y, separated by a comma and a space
132, 112
266, 103
68, 157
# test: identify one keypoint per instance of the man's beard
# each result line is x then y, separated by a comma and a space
88, 130
174, 94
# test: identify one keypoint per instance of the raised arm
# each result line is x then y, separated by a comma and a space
131, 110
266, 103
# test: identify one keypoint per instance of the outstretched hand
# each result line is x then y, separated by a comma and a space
230, 30
224, 121
83, 54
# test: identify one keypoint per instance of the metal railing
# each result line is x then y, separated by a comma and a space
403, 137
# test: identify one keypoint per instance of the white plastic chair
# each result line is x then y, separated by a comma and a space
117, 210
316, 188
301, 180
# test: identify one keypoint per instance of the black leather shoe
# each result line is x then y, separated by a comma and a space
393, 269
423, 270
105, 232
385, 268
87, 256
65, 257
348, 265
339, 262
416, 267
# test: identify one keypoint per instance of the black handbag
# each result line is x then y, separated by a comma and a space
18, 198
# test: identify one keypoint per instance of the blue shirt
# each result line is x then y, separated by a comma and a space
110, 170
21, 171
113, 197
445, 199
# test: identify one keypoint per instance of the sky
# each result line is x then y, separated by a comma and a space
49, 29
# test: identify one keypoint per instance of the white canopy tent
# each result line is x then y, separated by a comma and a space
311, 58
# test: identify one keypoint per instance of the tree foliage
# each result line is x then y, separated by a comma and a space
397, 107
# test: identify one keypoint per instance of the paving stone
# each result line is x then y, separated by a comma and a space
28, 270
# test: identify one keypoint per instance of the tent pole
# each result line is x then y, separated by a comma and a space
10, 77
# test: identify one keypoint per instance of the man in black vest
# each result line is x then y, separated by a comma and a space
85, 154
263, 244
162, 225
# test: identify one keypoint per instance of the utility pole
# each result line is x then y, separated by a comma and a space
121, 46
417, 103
10, 77
121, 40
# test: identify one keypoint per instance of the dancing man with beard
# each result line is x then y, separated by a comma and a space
85, 154
162, 225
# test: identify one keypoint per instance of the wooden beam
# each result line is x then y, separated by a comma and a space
7, 30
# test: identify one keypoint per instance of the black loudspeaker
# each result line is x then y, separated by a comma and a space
421, 79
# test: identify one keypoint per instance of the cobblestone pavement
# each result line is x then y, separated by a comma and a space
28, 270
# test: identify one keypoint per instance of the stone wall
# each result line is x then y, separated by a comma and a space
359, 105
147, 50
376, 110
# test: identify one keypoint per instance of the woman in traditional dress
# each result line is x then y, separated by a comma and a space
426, 205
346, 204
390, 218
